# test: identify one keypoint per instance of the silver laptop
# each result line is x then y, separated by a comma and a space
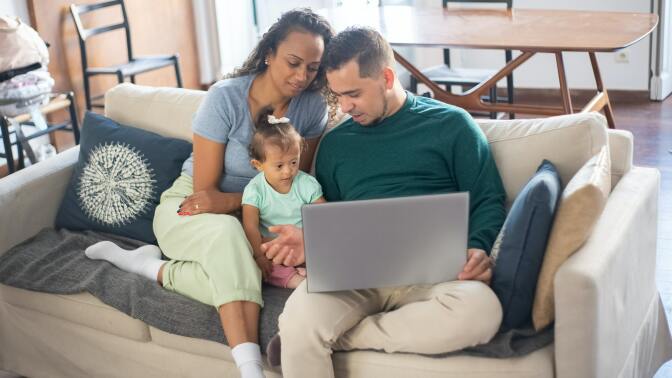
385, 242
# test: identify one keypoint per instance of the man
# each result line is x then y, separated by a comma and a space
395, 144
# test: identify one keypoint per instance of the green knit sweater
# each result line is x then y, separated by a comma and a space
426, 147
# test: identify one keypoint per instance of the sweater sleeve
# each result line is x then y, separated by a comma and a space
325, 170
475, 171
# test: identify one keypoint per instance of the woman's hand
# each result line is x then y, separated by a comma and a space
210, 201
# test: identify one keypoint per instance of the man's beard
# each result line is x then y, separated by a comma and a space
383, 114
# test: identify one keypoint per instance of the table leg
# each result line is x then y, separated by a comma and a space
471, 100
601, 100
564, 89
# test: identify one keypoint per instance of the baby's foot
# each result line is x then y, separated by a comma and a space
295, 281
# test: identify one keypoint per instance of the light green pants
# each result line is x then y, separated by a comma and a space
211, 259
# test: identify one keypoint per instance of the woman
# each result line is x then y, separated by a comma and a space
211, 259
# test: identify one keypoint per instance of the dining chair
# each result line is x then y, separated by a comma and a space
134, 66
467, 78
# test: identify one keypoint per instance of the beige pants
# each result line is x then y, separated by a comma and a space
428, 319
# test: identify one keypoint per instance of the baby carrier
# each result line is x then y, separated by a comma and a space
25, 83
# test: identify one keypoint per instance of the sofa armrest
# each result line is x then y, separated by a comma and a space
30, 198
620, 147
603, 292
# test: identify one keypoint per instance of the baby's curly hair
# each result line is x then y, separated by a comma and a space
282, 135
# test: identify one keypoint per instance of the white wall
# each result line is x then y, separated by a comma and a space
540, 71
15, 8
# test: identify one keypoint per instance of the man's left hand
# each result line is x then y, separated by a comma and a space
478, 266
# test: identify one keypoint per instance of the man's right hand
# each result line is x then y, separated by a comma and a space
287, 248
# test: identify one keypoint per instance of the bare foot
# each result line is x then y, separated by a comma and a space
294, 282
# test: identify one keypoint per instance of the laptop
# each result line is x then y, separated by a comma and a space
385, 242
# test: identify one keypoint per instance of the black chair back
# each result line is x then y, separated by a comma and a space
84, 34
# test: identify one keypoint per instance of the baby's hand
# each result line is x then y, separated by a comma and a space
265, 265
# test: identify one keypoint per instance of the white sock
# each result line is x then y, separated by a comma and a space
248, 359
145, 261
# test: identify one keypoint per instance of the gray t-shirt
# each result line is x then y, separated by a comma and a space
224, 117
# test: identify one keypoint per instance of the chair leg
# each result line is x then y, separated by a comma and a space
87, 92
133, 79
6, 141
413, 86
120, 77
74, 121
178, 76
509, 83
493, 100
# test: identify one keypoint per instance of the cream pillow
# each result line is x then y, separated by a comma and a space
581, 205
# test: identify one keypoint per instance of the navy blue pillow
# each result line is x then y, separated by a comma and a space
119, 178
520, 246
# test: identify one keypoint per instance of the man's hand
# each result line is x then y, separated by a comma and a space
478, 266
287, 248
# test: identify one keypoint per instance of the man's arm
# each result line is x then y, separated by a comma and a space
476, 172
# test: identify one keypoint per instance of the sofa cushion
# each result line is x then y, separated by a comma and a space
119, 178
519, 145
519, 249
580, 207
82, 308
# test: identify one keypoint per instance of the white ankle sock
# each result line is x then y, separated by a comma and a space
248, 359
145, 261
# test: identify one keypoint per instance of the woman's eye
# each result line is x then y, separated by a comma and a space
294, 64
313, 69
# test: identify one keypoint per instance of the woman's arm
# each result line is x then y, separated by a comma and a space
307, 155
208, 164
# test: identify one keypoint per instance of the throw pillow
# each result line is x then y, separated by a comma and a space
119, 178
519, 250
581, 204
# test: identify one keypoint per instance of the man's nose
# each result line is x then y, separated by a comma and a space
346, 105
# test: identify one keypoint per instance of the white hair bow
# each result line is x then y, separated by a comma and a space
274, 121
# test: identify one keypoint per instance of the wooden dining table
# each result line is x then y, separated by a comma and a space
530, 31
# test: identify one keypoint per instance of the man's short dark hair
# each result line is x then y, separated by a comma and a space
370, 49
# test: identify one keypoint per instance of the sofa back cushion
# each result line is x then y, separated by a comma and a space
517, 145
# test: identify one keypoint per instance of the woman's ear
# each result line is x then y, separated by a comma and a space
256, 164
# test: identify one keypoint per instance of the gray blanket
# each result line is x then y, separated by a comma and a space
54, 262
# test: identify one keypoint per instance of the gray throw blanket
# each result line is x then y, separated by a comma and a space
53, 261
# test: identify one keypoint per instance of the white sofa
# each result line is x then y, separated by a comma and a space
609, 318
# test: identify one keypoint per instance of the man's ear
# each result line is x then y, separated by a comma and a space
256, 164
389, 75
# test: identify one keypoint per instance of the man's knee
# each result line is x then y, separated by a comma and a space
323, 317
475, 305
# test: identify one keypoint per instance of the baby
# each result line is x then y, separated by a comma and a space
276, 194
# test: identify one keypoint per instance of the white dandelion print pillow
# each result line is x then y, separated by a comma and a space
119, 178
